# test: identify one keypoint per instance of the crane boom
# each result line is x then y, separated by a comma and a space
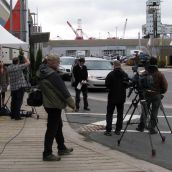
124, 29
72, 29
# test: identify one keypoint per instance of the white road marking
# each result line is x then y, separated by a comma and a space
168, 106
84, 113
103, 123
114, 120
146, 131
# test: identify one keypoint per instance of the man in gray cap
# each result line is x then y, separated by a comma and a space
116, 84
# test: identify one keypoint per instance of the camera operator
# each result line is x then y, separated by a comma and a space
17, 85
116, 82
153, 97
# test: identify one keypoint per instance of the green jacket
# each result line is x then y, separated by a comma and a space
54, 91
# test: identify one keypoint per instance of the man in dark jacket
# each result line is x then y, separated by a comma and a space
55, 98
153, 97
80, 74
116, 84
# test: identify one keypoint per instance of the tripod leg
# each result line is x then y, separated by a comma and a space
128, 122
147, 111
162, 137
153, 150
128, 110
133, 101
163, 111
34, 111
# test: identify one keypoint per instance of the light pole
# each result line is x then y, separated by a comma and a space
30, 41
59, 37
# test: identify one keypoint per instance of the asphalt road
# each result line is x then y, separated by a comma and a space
91, 124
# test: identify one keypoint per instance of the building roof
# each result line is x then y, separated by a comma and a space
40, 37
106, 42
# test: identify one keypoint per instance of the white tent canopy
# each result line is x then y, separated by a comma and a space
7, 40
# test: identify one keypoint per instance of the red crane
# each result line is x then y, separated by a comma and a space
78, 32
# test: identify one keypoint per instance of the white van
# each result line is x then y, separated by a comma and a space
133, 52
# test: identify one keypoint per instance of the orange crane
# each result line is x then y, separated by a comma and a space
78, 32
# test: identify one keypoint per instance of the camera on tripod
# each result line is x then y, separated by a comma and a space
142, 80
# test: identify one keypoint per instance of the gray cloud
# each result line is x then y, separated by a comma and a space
98, 16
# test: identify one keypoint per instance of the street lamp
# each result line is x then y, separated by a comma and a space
59, 37
29, 26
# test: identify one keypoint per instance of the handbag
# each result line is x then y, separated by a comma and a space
35, 98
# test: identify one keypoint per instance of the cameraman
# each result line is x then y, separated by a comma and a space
153, 97
116, 83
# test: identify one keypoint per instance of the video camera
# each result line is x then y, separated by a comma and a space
142, 80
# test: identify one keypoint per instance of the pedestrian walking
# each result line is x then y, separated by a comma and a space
55, 98
81, 75
116, 84
17, 85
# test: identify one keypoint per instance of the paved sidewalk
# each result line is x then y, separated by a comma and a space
23, 142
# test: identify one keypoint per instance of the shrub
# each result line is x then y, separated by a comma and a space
130, 62
161, 63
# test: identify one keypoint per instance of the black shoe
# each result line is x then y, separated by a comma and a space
66, 151
87, 109
117, 132
18, 118
107, 133
51, 157
153, 131
140, 129
76, 110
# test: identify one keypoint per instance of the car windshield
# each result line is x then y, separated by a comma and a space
98, 65
67, 61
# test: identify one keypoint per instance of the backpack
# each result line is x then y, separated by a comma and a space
35, 98
146, 81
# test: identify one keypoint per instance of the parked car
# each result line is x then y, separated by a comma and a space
97, 71
66, 63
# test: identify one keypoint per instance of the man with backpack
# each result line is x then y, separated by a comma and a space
153, 97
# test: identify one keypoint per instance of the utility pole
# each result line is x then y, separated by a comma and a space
26, 24
116, 31
23, 19
11, 17
124, 29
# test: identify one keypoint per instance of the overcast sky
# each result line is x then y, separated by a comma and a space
98, 16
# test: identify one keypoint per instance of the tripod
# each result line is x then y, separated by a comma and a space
139, 99
4, 110
34, 111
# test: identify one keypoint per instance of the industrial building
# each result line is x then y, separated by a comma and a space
154, 26
156, 40
110, 47
154, 30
